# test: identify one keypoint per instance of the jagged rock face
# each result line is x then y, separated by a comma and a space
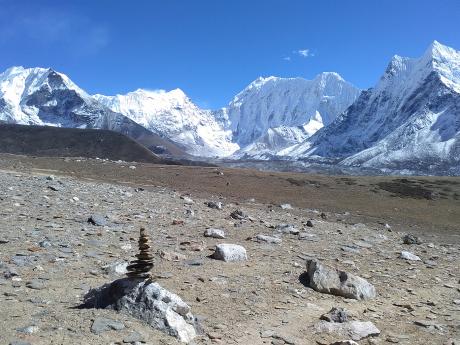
39, 96
410, 120
290, 102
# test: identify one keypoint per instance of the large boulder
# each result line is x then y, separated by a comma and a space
148, 302
230, 252
335, 282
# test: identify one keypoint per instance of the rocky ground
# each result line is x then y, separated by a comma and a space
50, 256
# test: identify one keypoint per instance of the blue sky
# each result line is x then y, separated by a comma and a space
213, 48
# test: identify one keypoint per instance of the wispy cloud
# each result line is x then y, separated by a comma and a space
48, 27
305, 53
299, 53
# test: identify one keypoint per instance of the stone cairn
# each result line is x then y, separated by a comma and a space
141, 267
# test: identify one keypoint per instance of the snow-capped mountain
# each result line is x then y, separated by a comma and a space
40, 96
272, 113
409, 121
173, 115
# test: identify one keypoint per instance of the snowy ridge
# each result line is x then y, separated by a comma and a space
173, 115
410, 120
40, 96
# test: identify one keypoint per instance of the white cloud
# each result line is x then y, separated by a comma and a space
287, 58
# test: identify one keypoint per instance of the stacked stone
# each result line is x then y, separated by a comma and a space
141, 267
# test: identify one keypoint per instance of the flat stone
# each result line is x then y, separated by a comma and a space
287, 229
133, 337
230, 252
117, 268
28, 329
19, 342
306, 236
214, 233
409, 256
36, 284
102, 324
268, 239
356, 330
97, 220
335, 282
172, 256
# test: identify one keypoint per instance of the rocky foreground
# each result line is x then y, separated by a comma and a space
251, 273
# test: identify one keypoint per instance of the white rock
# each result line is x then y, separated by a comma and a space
356, 330
186, 199
118, 268
230, 252
215, 233
409, 256
286, 206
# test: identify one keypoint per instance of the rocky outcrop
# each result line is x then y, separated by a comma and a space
148, 302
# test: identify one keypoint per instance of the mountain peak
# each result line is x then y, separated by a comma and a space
437, 50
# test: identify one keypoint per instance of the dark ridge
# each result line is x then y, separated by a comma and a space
47, 141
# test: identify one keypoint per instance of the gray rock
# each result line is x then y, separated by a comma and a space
287, 229
24, 260
97, 220
28, 329
268, 239
186, 199
350, 249
36, 284
239, 215
411, 239
148, 302
345, 342
230, 252
54, 188
102, 324
335, 282
356, 330
133, 337
215, 205
215, 233
306, 236
309, 223
409, 256
44, 244
10, 272
19, 342
338, 315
